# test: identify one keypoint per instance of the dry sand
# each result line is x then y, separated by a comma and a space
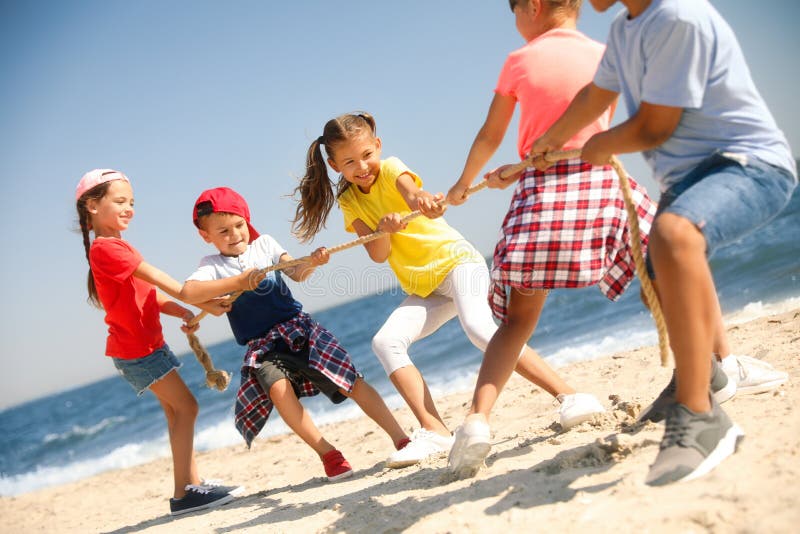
537, 478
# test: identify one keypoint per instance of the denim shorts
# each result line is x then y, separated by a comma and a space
141, 373
727, 197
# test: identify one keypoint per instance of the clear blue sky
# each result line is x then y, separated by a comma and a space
186, 95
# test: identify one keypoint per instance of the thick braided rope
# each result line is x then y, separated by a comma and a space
638, 259
215, 378
219, 379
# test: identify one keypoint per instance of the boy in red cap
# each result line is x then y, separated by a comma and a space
289, 355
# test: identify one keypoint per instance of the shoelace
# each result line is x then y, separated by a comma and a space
741, 370
422, 433
677, 429
198, 488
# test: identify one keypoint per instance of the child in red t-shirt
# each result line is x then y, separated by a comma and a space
122, 283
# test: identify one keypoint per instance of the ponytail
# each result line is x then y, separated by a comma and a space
315, 191
85, 222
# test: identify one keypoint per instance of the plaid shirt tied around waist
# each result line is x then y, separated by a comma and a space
325, 354
567, 227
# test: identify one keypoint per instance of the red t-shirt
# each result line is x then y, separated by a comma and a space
132, 311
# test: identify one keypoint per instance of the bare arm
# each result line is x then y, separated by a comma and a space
197, 291
431, 206
650, 127
172, 287
484, 146
378, 249
301, 272
587, 105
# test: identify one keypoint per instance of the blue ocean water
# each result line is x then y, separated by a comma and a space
102, 426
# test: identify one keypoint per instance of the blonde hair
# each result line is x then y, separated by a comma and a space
315, 193
85, 222
554, 5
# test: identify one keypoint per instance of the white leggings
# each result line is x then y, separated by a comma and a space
464, 292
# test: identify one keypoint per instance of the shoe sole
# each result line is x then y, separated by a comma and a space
471, 459
761, 388
219, 502
401, 463
340, 476
575, 421
237, 491
726, 447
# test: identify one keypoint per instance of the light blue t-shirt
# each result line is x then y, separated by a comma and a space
682, 53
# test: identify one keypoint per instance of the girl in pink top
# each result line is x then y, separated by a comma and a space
124, 286
565, 227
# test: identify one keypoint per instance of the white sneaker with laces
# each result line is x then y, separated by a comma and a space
577, 408
424, 443
751, 374
471, 445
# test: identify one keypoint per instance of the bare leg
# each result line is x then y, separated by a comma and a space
721, 347
534, 369
504, 348
372, 404
180, 408
691, 309
296, 417
415, 392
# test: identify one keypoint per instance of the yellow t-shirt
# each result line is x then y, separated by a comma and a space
425, 252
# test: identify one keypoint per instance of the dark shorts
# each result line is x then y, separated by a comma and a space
282, 363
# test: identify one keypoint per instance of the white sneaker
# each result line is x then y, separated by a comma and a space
577, 408
424, 443
470, 447
752, 375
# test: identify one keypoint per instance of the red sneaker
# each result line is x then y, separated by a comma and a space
336, 467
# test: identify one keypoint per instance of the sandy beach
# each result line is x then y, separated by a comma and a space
590, 478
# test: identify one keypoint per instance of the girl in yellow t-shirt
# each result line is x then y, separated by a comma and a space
442, 273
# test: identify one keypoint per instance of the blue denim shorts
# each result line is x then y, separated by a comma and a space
726, 198
141, 373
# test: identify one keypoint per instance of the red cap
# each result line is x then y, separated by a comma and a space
223, 200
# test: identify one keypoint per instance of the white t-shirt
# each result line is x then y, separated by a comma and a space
261, 253
255, 312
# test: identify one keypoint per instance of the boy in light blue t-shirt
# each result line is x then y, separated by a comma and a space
724, 169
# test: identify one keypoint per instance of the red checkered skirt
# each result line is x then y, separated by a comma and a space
567, 227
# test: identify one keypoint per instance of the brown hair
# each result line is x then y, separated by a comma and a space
85, 222
314, 194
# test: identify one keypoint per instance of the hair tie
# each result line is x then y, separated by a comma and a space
320, 140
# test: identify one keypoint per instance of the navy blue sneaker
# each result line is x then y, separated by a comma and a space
214, 483
199, 498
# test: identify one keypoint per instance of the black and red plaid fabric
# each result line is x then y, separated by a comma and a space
567, 227
324, 354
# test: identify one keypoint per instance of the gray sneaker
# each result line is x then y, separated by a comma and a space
721, 388
693, 444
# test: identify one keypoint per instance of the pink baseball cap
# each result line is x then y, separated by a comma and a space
95, 178
225, 200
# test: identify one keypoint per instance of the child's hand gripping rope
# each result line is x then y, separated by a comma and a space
435, 206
